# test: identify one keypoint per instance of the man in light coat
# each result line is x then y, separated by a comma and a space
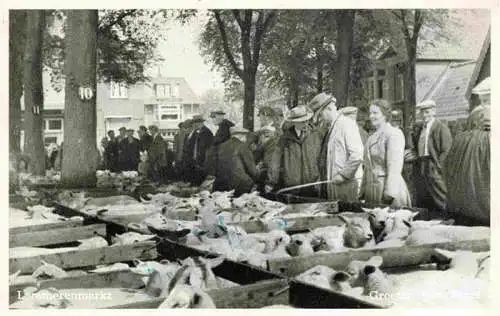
433, 145
342, 151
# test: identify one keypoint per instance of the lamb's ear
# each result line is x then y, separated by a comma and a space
375, 261
196, 299
407, 223
414, 214
344, 219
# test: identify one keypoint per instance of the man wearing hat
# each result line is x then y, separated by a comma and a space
119, 140
434, 143
295, 160
223, 126
264, 153
195, 148
230, 165
341, 152
317, 103
144, 138
179, 141
130, 152
157, 156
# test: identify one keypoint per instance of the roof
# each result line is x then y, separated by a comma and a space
427, 76
450, 92
480, 60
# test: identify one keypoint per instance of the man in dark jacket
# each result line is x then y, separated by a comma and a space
223, 126
179, 143
157, 156
120, 143
144, 138
232, 165
111, 152
195, 148
130, 152
434, 143
266, 146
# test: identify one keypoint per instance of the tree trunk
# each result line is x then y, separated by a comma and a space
80, 154
33, 92
319, 65
343, 46
410, 87
17, 31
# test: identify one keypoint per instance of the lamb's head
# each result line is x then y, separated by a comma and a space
355, 269
374, 280
396, 224
341, 281
377, 216
299, 245
357, 232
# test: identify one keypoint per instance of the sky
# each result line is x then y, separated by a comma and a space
183, 58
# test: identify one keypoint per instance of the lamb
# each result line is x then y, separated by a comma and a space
299, 246
330, 238
357, 232
130, 238
118, 266
320, 276
395, 227
341, 282
92, 243
355, 269
49, 271
187, 296
445, 233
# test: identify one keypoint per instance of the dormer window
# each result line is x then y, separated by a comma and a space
118, 90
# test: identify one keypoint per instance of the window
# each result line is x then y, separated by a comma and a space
49, 140
175, 91
55, 125
196, 108
399, 92
188, 108
160, 91
169, 117
371, 90
380, 88
118, 90
381, 72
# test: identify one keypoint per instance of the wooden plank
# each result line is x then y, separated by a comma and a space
112, 279
304, 295
55, 236
357, 207
41, 227
256, 295
328, 207
233, 271
301, 223
89, 257
393, 257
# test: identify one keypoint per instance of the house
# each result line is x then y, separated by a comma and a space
482, 70
445, 73
163, 101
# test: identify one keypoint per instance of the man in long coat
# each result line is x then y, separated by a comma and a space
157, 156
223, 126
434, 143
264, 154
144, 138
195, 149
295, 160
232, 165
341, 152
130, 152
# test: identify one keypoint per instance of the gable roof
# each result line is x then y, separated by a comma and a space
479, 63
450, 92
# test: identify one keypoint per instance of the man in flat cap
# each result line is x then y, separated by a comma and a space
144, 138
230, 165
195, 148
341, 151
434, 143
157, 156
179, 142
223, 126
120, 140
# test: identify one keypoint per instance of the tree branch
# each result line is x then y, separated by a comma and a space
123, 14
225, 45
261, 28
237, 16
419, 21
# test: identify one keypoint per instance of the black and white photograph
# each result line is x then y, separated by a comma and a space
229, 158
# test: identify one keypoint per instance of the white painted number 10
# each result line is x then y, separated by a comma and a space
86, 93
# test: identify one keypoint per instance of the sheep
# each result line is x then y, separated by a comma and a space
92, 243
320, 276
355, 268
357, 232
341, 282
49, 271
445, 233
130, 238
299, 246
329, 238
187, 296
395, 227
376, 281
377, 217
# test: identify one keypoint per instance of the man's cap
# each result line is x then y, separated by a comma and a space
153, 128
320, 101
217, 112
299, 114
130, 130
197, 119
123, 128
427, 104
143, 128
238, 130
